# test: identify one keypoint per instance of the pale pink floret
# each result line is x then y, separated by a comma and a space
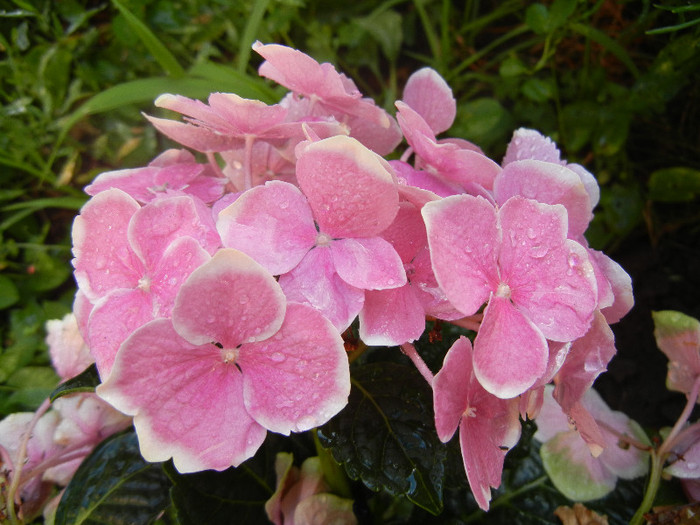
172, 172
488, 426
615, 297
69, 354
678, 336
576, 472
351, 196
428, 94
449, 162
130, 261
538, 284
235, 361
330, 93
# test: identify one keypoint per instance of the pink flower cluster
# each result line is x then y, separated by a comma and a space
213, 295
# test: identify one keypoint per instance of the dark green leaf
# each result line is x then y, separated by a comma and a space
386, 437
537, 19
86, 381
115, 485
215, 497
676, 184
8, 292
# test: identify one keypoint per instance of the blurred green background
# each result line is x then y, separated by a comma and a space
614, 83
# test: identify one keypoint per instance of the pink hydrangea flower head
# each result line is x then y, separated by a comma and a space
488, 426
678, 336
568, 460
428, 94
538, 284
235, 361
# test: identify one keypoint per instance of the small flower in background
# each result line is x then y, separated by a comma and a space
568, 460
303, 498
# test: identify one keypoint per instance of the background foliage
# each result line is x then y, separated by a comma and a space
615, 83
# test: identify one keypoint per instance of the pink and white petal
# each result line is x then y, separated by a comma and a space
687, 466
179, 260
487, 431
431, 296
464, 166
588, 358
451, 388
104, 260
531, 144
551, 419
620, 283
369, 264
271, 223
230, 299
315, 282
196, 137
589, 182
323, 508
69, 353
134, 181
419, 186
428, 94
187, 402
298, 379
551, 277
464, 240
374, 128
510, 353
246, 116
113, 320
550, 184
195, 109
391, 317
350, 189
155, 226
587, 427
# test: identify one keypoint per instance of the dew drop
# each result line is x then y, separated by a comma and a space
531, 234
538, 251
284, 205
278, 357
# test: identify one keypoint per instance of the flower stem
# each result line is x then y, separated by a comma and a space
412, 353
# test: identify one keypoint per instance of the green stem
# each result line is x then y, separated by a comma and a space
654, 480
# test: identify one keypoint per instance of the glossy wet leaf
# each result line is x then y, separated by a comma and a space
86, 381
115, 485
386, 435
214, 498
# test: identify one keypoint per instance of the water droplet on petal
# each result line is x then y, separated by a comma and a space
243, 299
278, 357
531, 233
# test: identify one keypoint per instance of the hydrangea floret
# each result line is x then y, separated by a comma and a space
214, 291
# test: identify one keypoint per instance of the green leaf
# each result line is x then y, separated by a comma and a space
386, 436
385, 28
670, 323
86, 381
115, 485
227, 79
484, 121
608, 43
215, 497
677, 184
537, 19
560, 11
8, 292
538, 90
164, 57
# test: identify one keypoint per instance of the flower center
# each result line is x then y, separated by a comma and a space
229, 355
470, 412
503, 291
323, 239
145, 283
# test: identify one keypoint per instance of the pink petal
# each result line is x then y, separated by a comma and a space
391, 317
298, 379
187, 402
315, 282
531, 144
230, 299
451, 388
349, 188
510, 353
370, 264
429, 95
180, 259
548, 183
427, 290
409, 177
407, 233
678, 336
113, 320
588, 358
104, 260
69, 353
463, 253
272, 223
196, 137
323, 508
136, 182
154, 227
620, 284
246, 116
550, 277
373, 127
